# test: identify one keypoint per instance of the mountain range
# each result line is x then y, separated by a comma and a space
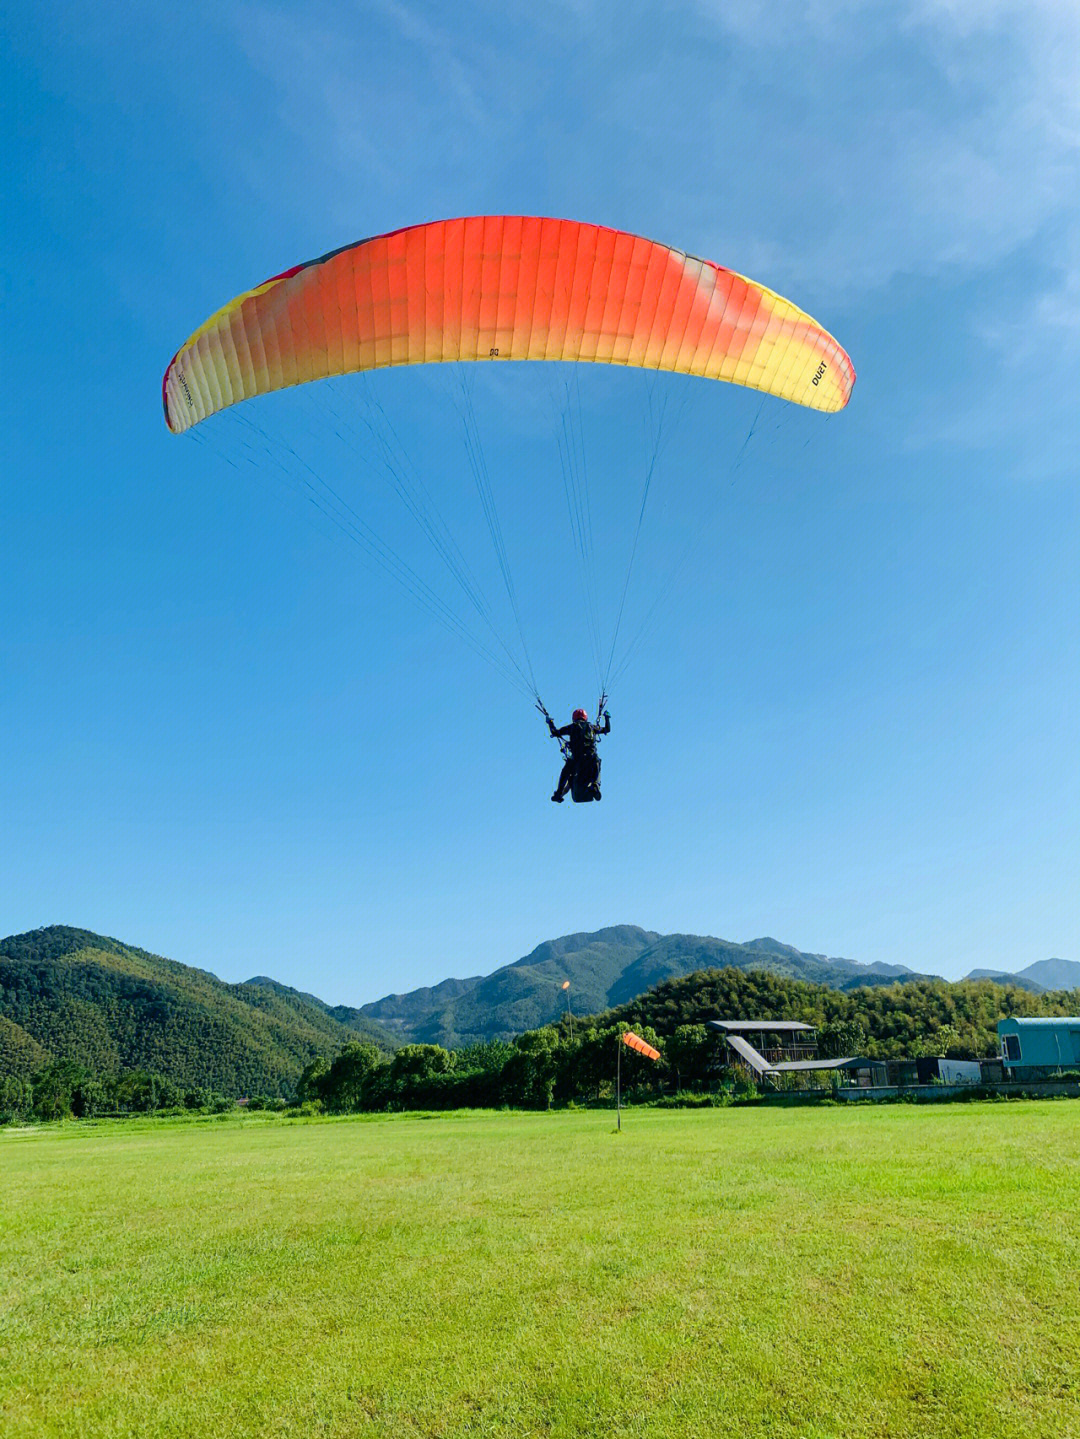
70, 994
605, 969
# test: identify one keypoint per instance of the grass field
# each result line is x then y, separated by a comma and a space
830, 1272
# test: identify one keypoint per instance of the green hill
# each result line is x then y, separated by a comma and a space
70, 994
605, 968
897, 1019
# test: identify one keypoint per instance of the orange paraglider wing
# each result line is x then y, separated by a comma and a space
504, 287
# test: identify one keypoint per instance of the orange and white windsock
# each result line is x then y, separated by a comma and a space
635, 1041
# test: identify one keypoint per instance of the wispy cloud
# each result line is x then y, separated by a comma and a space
946, 132
834, 146
383, 107
1044, 316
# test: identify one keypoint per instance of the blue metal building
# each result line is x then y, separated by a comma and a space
1029, 1045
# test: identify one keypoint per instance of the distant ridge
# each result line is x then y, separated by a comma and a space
1053, 973
1042, 976
68, 993
1001, 976
606, 968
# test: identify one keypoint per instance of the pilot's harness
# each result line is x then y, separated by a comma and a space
564, 744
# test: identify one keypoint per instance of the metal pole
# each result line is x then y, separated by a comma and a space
618, 1088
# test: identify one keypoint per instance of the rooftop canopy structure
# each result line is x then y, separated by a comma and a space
761, 1026
770, 1041
796, 1051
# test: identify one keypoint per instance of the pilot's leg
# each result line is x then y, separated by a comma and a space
564, 782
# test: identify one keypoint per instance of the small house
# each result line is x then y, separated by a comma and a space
1036, 1048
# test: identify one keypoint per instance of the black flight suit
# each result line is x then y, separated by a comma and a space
583, 760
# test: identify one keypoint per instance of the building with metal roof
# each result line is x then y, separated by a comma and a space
749, 1055
761, 1044
1030, 1047
796, 1053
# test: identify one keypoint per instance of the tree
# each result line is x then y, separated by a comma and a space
16, 1098
691, 1054
843, 1039
309, 1085
638, 1071
137, 1090
348, 1080
55, 1087
414, 1064
941, 1041
529, 1073
91, 1097
592, 1062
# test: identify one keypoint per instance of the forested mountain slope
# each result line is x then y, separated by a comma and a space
70, 994
1043, 975
1053, 973
604, 968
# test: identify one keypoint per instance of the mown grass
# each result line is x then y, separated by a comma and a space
833, 1272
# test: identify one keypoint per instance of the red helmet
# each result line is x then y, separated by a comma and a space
580, 714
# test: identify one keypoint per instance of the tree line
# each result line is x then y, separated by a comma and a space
66, 1089
575, 1061
915, 1018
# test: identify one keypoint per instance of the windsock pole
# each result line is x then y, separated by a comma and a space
635, 1041
618, 1091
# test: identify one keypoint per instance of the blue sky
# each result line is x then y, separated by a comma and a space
225, 737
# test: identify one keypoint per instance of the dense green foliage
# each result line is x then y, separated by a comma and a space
540, 1069
560, 1065
66, 994
865, 1272
89, 1025
607, 968
65, 1090
898, 1020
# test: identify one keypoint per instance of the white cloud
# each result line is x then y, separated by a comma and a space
947, 131
829, 149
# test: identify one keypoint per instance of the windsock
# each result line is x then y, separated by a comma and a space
634, 1041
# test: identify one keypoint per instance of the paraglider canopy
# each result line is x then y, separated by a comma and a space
504, 287
496, 287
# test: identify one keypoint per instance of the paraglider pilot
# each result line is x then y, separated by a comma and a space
582, 762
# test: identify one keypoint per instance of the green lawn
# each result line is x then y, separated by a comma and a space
743, 1272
